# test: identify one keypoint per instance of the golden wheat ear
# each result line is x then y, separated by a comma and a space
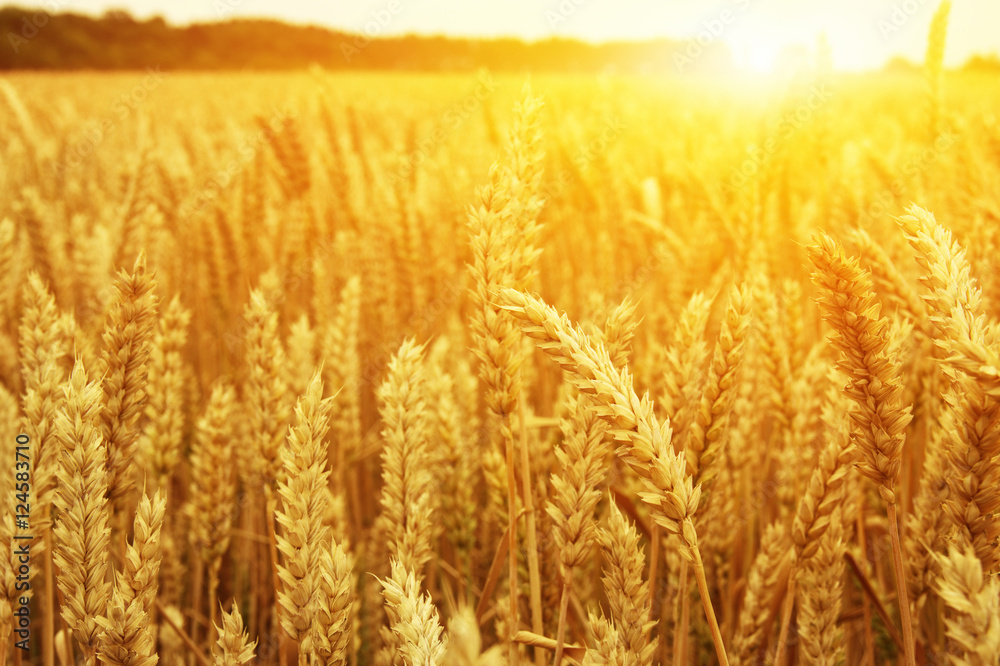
303, 507
414, 619
128, 335
869, 357
82, 532
233, 647
974, 598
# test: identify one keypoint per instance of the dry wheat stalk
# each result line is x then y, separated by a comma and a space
141, 566
825, 492
574, 493
874, 373
456, 468
645, 441
684, 363
584, 464
928, 522
504, 230
574, 497
973, 476
945, 272
775, 361
342, 373
45, 347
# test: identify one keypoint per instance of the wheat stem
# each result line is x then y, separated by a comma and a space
901, 588
706, 600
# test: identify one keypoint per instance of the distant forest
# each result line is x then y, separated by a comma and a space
36, 39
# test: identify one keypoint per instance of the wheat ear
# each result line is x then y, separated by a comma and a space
875, 385
974, 598
266, 390
628, 593
822, 587
406, 473
333, 617
708, 431
610, 649
233, 648
303, 505
763, 587
646, 444
128, 335
81, 531
212, 490
127, 631
684, 360
415, 622
163, 431
955, 304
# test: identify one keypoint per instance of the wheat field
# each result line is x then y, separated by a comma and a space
466, 369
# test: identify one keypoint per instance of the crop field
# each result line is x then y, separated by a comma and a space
481, 369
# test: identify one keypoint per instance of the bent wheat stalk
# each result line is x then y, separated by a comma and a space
646, 448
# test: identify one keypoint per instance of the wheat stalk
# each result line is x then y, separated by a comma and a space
646, 442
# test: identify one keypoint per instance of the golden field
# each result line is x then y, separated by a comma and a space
295, 352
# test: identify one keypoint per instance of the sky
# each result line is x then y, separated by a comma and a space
862, 34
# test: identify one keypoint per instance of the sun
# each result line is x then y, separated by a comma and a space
767, 48
756, 57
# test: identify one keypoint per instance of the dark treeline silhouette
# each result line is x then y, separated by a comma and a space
35, 39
